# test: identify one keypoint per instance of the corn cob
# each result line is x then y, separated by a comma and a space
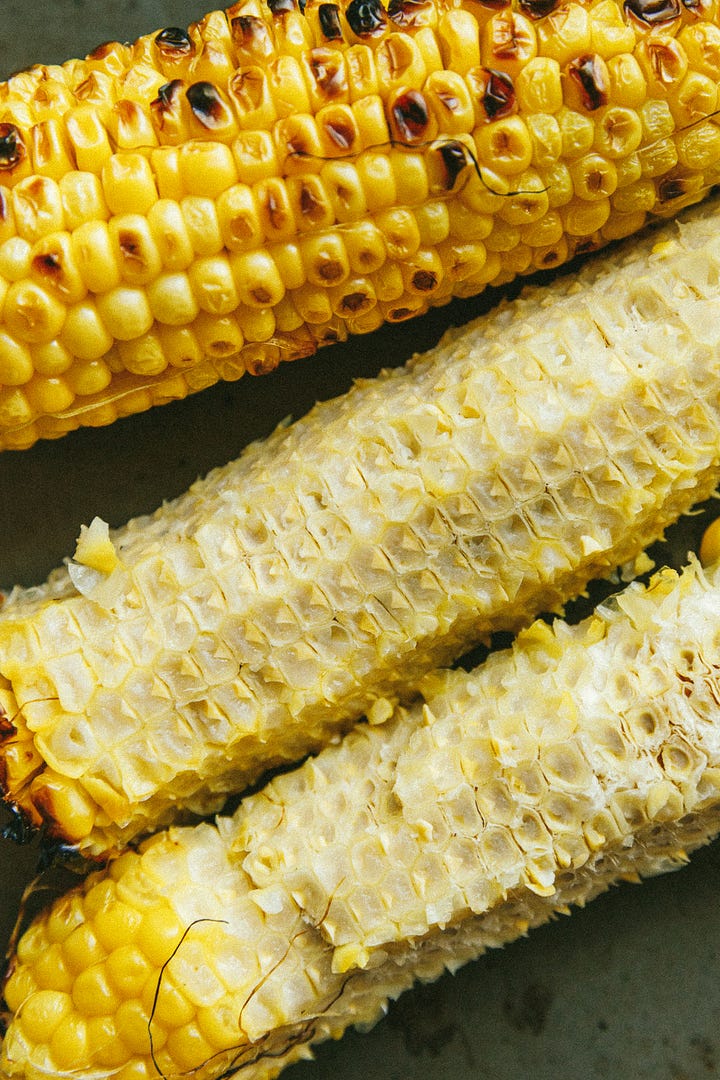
323, 573
578, 757
213, 201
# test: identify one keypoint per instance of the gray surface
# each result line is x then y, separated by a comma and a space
627, 989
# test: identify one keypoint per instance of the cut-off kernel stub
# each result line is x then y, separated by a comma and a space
582, 757
212, 201
171, 662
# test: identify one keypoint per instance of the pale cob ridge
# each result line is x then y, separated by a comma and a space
582, 756
213, 201
332, 566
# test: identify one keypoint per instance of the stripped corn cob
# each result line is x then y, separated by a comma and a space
208, 202
328, 569
580, 756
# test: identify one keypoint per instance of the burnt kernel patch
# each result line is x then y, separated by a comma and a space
310, 205
167, 96
12, 147
411, 116
48, 264
537, 9
355, 302
588, 74
251, 34
328, 71
102, 50
128, 245
206, 104
498, 98
409, 13
280, 7
366, 18
454, 158
174, 41
670, 188
653, 12
329, 20
340, 134
424, 280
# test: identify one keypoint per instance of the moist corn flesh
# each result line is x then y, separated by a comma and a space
321, 575
208, 202
582, 756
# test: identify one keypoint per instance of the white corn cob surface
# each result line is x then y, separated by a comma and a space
578, 758
324, 572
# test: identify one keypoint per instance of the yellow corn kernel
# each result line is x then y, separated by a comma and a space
377, 180
238, 219
538, 86
399, 61
82, 198
362, 72
448, 96
187, 1047
287, 318
626, 82
618, 132
172, 298
433, 222
698, 148
43, 1013
134, 248
701, 44
51, 972
289, 261
709, 550
411, 178
257, 279
207, 168
165, 163
638, 196
125, 312
583, 217
81, 948
388, 282
51, 358
324, 258
180, 346
465, 224
577, 132
50, 151
506, 143
528, 202
369, 115
31, 313
272, 199
69, 1043
48, 395
696, 99
344, 188
311, 302
400, 231
311, 204
92, 994
565, 33
509, 42
459, 41
37, 207
256, 324
546, 139
219, 336
89, 377
95, 256
663, 62
134, 1022
543, 233
128, 184
593, 177
15, 257
609, 33
213, 285
366, 245
202, 223
143, 354
88, 139
618, 225
170, 234
84, 333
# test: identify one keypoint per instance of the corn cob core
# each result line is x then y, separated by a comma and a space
213, 201
580, 757
328, 569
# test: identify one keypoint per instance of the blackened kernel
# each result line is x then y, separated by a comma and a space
424, 280
173, 39
48, 264
499, 95
329, 19
355, 302
206, 103
410, 115
366, 18
653, 12
406, 13
341, 134
102, 50
167, 96
310, 205
537, 9
330, 271
250, 33
280, 7
672, 187
588, 73
454, 159
12, 147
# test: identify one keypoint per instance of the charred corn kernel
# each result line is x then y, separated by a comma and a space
257, 279
324, 258
84, 334
294, 906
257, 127
255, 662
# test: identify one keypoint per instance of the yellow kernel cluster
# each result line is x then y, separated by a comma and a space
204, 203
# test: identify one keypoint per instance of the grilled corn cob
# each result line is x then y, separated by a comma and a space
213, 201
581, 756
324, 572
